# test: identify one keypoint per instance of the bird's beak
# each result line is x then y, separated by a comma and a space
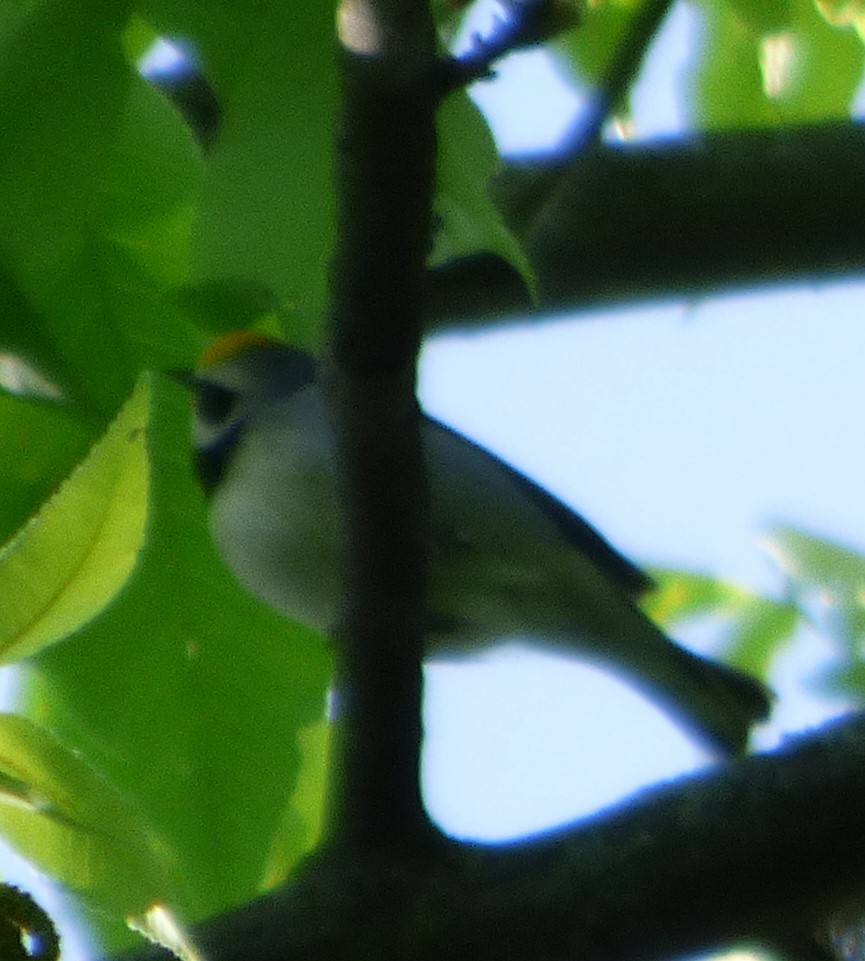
186, 378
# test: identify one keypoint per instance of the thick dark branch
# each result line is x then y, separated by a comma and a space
385, 173
681, 218
759, 851
385, 170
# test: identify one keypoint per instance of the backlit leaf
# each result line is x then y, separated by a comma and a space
70, 560
73, 824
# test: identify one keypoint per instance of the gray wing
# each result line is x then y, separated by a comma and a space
573, 528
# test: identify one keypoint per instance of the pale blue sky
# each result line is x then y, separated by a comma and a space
682, 431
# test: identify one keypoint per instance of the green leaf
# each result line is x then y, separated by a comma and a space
815, 561
70, 822
828, 583
762, 16
680, 595
589, 49
755, 628
185, 694
826, 69
138, 38
62, 84
267, 216
468, 220
225, 305
47, 444
770, 64
150, 190
190, 696
846, 677
303, 821
96, 205
726, 88
762, 631
844, 14
70, 560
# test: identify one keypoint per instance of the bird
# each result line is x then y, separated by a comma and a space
507, 560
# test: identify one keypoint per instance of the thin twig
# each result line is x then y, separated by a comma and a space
620, 73
524, 23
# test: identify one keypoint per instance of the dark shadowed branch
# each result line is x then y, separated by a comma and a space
716, 859
683, 217
671, 219
384, 187
710, 861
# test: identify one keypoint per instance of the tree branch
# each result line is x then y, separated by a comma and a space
716, 859
519, 24
690, 215
678, 218
385, 172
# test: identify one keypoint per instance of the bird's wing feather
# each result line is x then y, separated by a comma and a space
573, 528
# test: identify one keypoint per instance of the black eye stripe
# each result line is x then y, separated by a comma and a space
213, 459
214, 403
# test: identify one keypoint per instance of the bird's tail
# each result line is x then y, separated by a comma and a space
720, 702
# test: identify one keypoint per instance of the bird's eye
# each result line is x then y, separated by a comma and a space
215, 404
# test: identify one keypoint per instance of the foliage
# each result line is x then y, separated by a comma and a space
759, 63
172, 748
823, 590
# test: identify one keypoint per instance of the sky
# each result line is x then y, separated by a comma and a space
683, 431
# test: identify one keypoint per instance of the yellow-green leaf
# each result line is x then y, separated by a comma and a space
73, 557
831, 568
680, 595
756, 627
827, 583
468, 220
303, 819
72, 823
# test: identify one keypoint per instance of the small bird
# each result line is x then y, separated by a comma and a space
506, 558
